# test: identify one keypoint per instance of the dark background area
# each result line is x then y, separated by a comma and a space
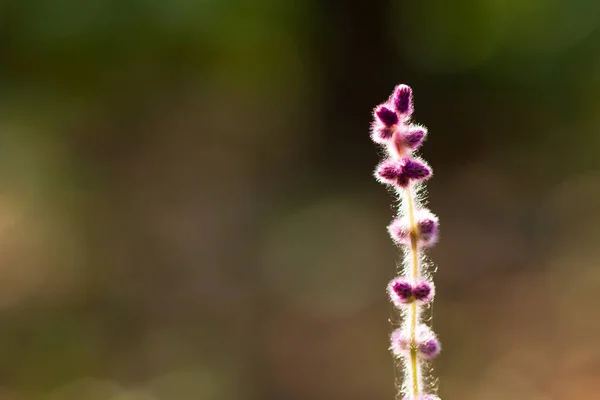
187, 209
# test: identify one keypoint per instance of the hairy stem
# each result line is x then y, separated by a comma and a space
414, 274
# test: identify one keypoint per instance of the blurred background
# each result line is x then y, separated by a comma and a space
187, 209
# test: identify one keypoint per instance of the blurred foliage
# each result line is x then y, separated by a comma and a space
187, 209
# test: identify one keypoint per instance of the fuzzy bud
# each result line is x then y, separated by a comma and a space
382, 134
427, 229
423, 291
388, 172
428, 225
399, 230
414, 137
402, 100
402, 292
386, 116
401, 173
407, 140
415, 170
425, 342
400, 342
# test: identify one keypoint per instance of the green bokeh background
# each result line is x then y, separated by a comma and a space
187, 209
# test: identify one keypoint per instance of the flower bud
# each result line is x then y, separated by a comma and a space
386, 116
402, 99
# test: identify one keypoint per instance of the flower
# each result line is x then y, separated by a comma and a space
402, 99
402, 292
401, 173
425, 342
425, 233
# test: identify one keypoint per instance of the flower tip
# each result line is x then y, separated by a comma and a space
402, 99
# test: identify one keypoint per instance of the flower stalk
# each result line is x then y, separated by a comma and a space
414, 229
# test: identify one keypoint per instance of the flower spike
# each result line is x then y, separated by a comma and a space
414, 230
